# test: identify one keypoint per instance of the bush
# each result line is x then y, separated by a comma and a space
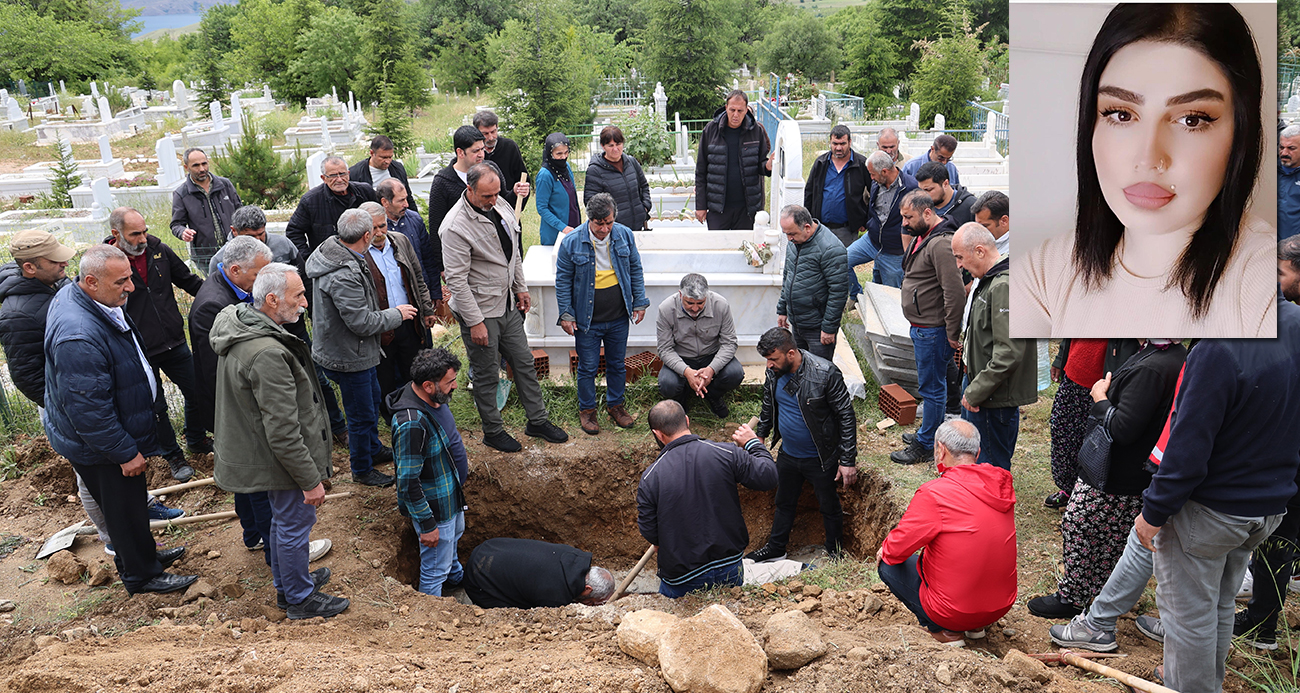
64, 178
257, 172
647, 137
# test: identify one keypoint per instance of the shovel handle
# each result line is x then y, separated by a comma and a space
1122, 677
212, 517
519, 201
632, 575
181, 487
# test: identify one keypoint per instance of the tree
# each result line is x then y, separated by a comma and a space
213, 84
387, 41
870, 58
258, 173
64, 177
265, 33
690, 52
949, 76
800, 42
905, 22
454, 37
320, 64
394, 122
622, 19
41, 48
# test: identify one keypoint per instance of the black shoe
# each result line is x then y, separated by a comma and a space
766, 554
317, 604
163, 583
341, 438
181, 469
718, 407
319, 578
914, 454
1057, 500
909, 438
384, 456
373, 477
169, 556
1052, 606
202, 447
546, 431
1254, 634
502, 441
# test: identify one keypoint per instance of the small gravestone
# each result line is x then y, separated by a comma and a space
94, 90
326, 144
266, 91
63, 88
105, 149
215, 108
314, 169
102, 194
180, 97
661, 101
914, 116
1293, 103
940, 122
105, 114
22, 87
169, 170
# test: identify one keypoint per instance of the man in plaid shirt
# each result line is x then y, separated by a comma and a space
431, 466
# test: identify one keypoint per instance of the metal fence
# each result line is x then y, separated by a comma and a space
620, 91
1288, 80
845, 106
983, 119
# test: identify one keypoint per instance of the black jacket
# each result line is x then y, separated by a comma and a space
24, 302
318, 212
960, 212
856, 180
525, 573
1118, 351
1141, 392
444, 192
888, 238
214, 295
826, 407
190, 209
630, 190
688, 505
814, 285
360, 173
507, 158
711, 164
152, 307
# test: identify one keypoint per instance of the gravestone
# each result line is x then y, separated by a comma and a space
236, 113
1293, 104
326, 144
102, 194
266, 91
314, 169
169, 169
65, 148
661, 101
215, 108
22, 87
914, 116
105, 149
105, 114
50, 86
63, 88
94, 90
940, 122
180, 96
88, 109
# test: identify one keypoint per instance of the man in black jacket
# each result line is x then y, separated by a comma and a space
155, 268
734, 157
381, 165
318, 211
688, 506
526, 573
833, 193
447, 187
808, 409
503, 152
202, 209
26, 286
954, 203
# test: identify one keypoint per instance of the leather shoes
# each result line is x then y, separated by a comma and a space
169, 556
341, 438
163, 583
620, 416
718, 406
587, 419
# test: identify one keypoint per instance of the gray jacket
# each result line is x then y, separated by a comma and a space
680, 336
346, 319
814, 283
479, 278
190, 209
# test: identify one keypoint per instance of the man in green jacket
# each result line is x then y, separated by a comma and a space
272, 431
1001, 372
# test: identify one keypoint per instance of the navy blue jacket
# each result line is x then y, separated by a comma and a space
1234, 445
892, 243
98, 408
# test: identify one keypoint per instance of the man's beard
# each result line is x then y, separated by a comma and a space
439, 397
1292, 292
290, 316
131, 249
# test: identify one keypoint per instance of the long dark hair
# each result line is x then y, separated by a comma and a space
1217, 31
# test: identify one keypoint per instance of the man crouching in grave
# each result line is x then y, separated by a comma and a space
431, 466
526, 573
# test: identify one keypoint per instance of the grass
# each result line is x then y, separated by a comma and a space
84, 603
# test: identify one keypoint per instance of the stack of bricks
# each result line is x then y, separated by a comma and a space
897, 404
541, 364
637, 365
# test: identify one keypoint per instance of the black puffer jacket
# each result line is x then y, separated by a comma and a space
826, 407
24, 302
814, 283
152, 306
711, 164
360, 173
629, 189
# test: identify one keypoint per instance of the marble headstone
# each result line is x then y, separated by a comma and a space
105, 149
105, 113
169, 170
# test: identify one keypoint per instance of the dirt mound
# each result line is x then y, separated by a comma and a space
49, 475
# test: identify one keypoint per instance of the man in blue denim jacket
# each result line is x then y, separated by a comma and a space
598, 284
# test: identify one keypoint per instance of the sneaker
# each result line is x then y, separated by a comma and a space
1294, 585
547, 431
158, 511
1253, 634
719, 407
914, 454
108, 549
766, 554
1079, 635
976, 634
1247, 589
258, 546
1052, 606
318, 548
949, 638
202, 447
374, 477
181, 469
1057, 500
587, 419
502, 441
317, 604
909, 438
384, 456
1151, 627
319, 578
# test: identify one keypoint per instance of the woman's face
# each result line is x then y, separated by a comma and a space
613, 150
560, 152
1163, 135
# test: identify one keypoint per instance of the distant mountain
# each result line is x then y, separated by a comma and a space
151, 8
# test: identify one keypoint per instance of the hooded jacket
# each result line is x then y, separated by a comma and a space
629, 188
711, 164
24, 303
814, 285
428, 486
1003, 371
346, 319
272, 430
964, 523
959, 206
525, 574
933, 294
153, 304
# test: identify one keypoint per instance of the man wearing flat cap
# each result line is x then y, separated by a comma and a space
26, 286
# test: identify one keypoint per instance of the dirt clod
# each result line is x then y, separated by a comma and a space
65, 567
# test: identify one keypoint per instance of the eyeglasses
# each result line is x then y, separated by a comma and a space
335, 176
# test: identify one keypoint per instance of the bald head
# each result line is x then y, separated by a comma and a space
975, 249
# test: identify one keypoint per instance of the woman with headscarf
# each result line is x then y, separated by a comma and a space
557, 199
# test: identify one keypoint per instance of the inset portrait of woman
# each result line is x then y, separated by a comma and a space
1168, 152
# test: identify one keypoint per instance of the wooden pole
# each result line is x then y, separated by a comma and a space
181, 487
1087, 664
632, 575
213, 517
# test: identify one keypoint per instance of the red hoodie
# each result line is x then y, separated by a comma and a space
965, 522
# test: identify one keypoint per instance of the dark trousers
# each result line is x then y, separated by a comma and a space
178, 364
729, 219
904, 580
360, 393
810, 339
673, 386
791, 473
254, 511
1271, 566
395, 368
127, 519
954, 388
844, 233
999, 428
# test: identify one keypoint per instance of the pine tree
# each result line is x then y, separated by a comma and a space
65, 178
691, 55
394, 121
259, 175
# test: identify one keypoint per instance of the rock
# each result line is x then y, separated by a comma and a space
44, 641
769, 587
943, 674
65, 567
188, 610
792, 640
168, 611
1009, 632
870, 604
639, 633
1003, 677
76, 634
712, 652
1026, 667
859, 654
271, 613
103, 574
812, 591
7, 605
233, 590
809, 605
201, 588
214, 555
1237, 662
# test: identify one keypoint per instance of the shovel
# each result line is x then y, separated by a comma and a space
1083, 660
63, 538
627, 581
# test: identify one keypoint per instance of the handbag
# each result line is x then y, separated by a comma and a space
1094, 454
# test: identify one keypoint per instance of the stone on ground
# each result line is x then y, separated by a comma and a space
639, 633
1026, 667
792, 640
103, 574
201, 588
65, 567
712, 652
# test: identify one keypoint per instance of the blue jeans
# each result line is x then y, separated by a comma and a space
888, 269
291, 523
998, 427
587, 343
904, 580
439, 563
732, 575
933, 353
360, 393
254, 511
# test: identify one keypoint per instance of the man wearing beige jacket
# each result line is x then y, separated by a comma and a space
484, 271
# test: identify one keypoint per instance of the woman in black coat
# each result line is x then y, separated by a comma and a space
621, 176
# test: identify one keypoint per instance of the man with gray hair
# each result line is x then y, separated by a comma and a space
525, 573
250, 220
696, 340
348, 322
273, 432
813, 286
1288, 182
886, 239
409, 223
202, 208
887, 142
318, 212
964, 522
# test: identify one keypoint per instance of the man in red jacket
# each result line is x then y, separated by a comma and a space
965, 522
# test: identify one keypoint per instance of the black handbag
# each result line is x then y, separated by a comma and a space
1094, 454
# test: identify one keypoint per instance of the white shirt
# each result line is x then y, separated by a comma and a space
378, 174
119, 318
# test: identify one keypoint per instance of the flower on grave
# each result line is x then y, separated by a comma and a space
757, 254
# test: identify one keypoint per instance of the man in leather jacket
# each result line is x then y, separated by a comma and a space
807, 407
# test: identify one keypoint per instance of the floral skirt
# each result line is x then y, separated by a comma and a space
1094, 530
1069, 415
